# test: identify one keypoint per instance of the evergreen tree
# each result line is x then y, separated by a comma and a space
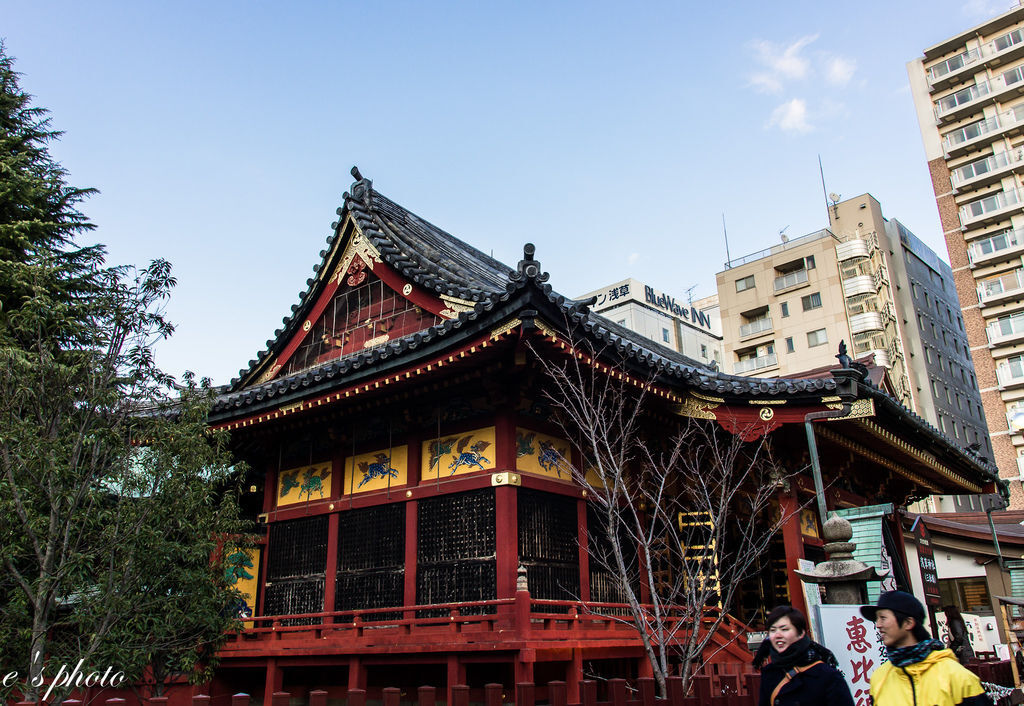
113, 497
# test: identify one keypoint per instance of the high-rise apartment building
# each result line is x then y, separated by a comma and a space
969, 95
866, 280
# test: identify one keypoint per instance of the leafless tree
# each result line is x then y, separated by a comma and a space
685, 509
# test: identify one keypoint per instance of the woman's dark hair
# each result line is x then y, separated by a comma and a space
787, 611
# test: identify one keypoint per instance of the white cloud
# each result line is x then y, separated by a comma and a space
839, 70
791, 116
633, 258
779, 63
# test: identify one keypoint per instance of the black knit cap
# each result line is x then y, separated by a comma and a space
903, 605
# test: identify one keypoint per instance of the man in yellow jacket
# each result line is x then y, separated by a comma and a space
920, 671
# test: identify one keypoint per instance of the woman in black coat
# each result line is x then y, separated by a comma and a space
799, 671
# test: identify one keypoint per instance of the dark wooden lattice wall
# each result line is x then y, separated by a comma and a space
549, 544
604, 587
456, 548
296, 566
371, 558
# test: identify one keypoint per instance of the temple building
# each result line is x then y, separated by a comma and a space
417, 521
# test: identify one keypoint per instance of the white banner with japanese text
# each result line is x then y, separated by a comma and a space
855, 643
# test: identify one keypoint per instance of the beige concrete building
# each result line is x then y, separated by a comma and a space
866, 280
969, 95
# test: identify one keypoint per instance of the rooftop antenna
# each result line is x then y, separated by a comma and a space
782, 235
825, 193
689, 294
725, 233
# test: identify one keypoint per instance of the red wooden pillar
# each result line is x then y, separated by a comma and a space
269, 495
794, 545
574, 676
524, 666
456, 675
274, 680
356, 673
506, 509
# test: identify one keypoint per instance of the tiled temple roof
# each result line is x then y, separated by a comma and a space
439, 262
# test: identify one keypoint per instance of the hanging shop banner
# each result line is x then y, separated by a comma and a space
457, 454
856, 644
926, 562
300, 485
542, 454
376, 470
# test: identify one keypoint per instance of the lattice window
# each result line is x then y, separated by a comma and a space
361, 316
549, 544
296, 562
605, 584
456, 554
371, 559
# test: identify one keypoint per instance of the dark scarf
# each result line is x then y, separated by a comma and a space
904, 656
796, 655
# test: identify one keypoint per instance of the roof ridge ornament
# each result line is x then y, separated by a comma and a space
529, 267
360, 189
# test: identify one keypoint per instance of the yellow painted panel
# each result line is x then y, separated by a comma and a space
456, 454
242, 570
303, 484
542, 454
377, 470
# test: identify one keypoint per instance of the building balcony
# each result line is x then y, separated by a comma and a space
1004, 48
861, 284
868, 321
987, 170
1001, 288
756, 327
882, 359
995, 247
971, 99
960, 141
992, 208
967, 100
1006, 330
481, 627
761, 362
1010, 374
852, 249
790, 279
946, 73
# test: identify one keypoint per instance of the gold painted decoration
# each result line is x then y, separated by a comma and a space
242, 571
809, 524
376, 470
542, 454
697, 407
457, 454
299, 485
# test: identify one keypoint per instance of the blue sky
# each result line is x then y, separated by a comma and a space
612, 135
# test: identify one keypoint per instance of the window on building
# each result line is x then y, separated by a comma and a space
960, 322
970, 595
789, 345
956, 430
811, 301
817, 338
809, 262
928, 354
664, 335
744, 284
703, 351
935, 388
785, 308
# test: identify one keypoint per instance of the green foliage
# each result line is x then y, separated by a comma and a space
114, 499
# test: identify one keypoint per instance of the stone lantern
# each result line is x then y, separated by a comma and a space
845, 578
